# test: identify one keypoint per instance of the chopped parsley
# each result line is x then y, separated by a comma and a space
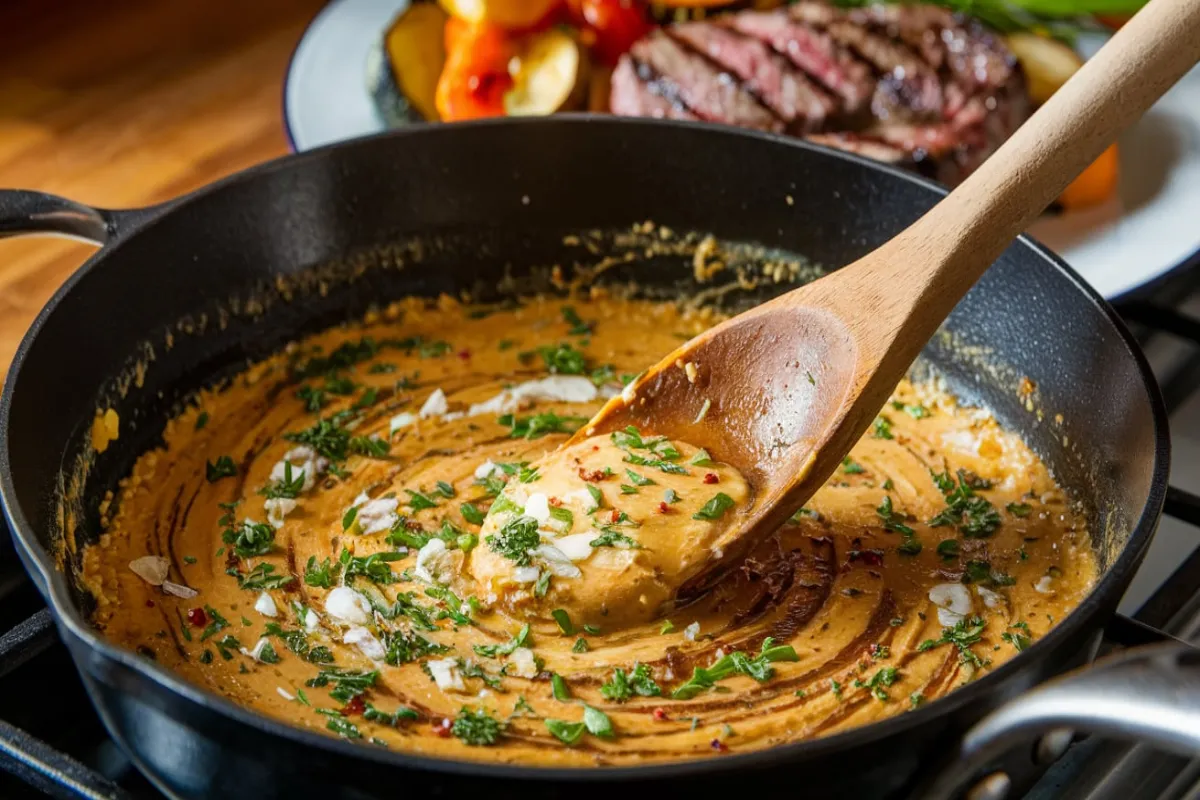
367, 446
222, 468
250, 538
611, 537
564, 621
1019, 509
515, 539
559, 687
289, 487
882, 429
493, 650
201, 420
622, 687
715, 508
580, 646
982, 572
563, 360
342, 726
404, 648
323, 574
975, 516
667, 627
568, 733
471, 514
326, 437
879, 682
297, 642
578, 326
347, 684
916, 411
948, 549
852, 467
758, 668
540, 425
373, 567
638, 480
216, 623
965, 633
476, 727
263, 576
373, 714
701, 459
419, 501
892, 520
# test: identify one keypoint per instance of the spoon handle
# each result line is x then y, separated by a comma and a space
960, 237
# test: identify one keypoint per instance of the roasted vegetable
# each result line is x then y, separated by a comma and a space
549, 74
1048, 64
403, 72
511, 14
610, 27
1096, 184
476, 76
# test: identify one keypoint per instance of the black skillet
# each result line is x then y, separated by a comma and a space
494, 197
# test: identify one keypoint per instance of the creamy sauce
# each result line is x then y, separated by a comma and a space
361, 573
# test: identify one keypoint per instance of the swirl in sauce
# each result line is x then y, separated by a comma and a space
374, 557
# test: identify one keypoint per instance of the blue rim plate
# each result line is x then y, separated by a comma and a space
1149, 231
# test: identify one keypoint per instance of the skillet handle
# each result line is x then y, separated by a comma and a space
1146, 694
25, 212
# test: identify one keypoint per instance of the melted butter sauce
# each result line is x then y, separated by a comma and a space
439, 396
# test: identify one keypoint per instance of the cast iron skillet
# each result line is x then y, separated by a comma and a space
493, 197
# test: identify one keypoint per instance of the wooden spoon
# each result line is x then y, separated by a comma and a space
783, 391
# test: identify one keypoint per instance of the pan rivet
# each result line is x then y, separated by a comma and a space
1051, 746
993, 787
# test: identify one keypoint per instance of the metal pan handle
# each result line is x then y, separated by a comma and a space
24, 212
1147, 694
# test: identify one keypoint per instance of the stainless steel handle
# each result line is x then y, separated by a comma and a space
1147, 694
24, 212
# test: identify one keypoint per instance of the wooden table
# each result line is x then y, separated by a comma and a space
128, 102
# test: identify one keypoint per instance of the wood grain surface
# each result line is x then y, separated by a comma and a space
130, 102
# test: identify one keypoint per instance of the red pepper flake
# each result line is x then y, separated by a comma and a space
711, 477
442, 728
197, 617
614, 516
872, 558
660, 715
413, 525
354, 707
594, 476
554, 502
663, 508
718, 745
149, 604
464, 354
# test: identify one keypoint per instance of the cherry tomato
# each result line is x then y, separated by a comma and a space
614, 25
475, 77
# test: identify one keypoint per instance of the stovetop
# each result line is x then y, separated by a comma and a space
52, 744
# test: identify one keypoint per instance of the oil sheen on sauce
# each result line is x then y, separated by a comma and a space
314, 542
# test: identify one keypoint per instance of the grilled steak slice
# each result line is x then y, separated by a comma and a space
636, 95
707, 92
793, 97
813, 51
912, 85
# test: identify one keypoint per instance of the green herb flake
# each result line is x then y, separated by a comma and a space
476, 727
222, 468
715, 508
559, 687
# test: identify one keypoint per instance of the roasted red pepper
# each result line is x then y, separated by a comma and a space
611, 26
476, 77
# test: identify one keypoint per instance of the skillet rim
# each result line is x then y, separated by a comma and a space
54, 589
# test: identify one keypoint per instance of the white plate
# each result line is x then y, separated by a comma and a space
1152, 227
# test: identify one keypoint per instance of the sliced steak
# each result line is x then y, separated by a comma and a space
703, 88
634, 96
772, 78
813, 51
908, 87
911, 85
